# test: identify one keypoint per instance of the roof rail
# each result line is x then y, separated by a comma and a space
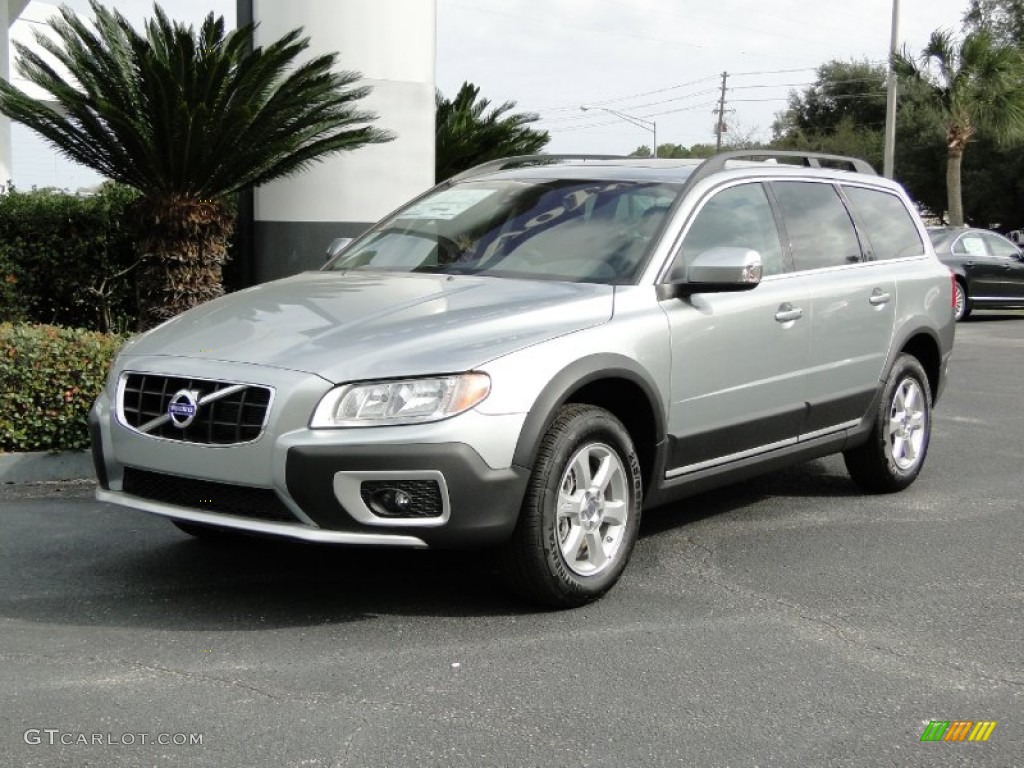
518, 161
717, 162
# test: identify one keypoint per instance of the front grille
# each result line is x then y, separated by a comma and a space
207, 496
237, 417
423, 497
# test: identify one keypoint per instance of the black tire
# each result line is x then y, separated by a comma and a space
961, 302
882, 464
599, 531
208, 533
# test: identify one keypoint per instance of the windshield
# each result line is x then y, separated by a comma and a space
578, 231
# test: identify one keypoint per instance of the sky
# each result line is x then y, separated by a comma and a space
656, 60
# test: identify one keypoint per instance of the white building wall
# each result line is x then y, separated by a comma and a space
6, 166
393, 44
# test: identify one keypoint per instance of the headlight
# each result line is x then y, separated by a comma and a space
411, 401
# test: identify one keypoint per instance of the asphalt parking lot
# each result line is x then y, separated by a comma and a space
788, 621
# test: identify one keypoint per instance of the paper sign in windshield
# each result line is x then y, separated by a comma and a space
446, 205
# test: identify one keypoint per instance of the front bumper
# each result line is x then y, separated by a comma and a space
303, 484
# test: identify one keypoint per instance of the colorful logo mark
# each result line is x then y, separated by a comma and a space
958, 730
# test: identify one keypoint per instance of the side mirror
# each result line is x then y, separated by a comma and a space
337, 245
721, 270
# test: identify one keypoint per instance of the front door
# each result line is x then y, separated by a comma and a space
738, 359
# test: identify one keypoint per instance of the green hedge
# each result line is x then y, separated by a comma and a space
61, 258
49, 378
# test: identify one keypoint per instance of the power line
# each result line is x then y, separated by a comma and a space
631, 107
695, 108
613, 99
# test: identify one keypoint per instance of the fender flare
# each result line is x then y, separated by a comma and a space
570, 379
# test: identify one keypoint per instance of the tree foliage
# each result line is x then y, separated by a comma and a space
1002, 19
973, 83
843, 92
186, 117
68, 260
676, 151
469, 132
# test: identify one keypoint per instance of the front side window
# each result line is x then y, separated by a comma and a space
737, 217
574, 230
1000, 248
885, 220
820, 231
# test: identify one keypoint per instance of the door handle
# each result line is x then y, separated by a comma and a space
879, 297
787, 313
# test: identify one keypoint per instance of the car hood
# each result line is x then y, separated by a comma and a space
361, 325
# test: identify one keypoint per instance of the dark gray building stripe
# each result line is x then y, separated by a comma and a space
283, 248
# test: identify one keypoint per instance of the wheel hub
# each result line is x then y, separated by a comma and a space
592, 510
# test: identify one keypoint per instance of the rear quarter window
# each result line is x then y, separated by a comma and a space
885, 220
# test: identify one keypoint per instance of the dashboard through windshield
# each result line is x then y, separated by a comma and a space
572, 230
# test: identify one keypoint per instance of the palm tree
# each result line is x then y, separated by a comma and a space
186, 118
466, 134
975, 84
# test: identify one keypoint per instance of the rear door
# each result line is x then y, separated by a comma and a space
853, 303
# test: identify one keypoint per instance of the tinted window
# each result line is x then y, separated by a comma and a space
1001, 248
738, 217
887, 223
819, 227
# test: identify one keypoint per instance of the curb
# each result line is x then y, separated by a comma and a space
42, 466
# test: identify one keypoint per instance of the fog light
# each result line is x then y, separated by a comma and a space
390, 502
402, 498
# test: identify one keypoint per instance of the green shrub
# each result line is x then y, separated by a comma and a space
49, 378
67, 259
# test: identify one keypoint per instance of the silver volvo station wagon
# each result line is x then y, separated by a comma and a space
533, 352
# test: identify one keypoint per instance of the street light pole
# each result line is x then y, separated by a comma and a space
890, 98
649, 125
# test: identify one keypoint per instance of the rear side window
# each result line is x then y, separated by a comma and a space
738, 217
885, 220
970, 244
820, 230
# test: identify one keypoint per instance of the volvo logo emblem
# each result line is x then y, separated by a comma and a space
183, 407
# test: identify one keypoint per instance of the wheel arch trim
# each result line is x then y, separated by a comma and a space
570, 380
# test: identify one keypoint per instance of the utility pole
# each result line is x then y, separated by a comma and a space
720, 125
889, 155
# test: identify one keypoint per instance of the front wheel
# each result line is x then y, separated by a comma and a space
581, 513
892, 457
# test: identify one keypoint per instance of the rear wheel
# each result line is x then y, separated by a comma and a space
581, 512
892, 457
961, 304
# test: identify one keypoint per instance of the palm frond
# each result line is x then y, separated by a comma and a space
469, 131
178, 112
